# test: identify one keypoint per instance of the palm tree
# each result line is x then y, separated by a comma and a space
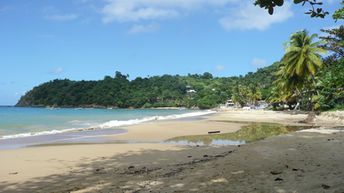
300, 63
302, 58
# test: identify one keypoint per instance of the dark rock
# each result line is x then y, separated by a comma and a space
205, 156
324, 186
99, 171
189, 156
131, 167
275, 172
278, 179
13, 173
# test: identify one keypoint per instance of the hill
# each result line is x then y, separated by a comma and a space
194, 90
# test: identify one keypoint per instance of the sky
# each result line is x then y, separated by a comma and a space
42, 40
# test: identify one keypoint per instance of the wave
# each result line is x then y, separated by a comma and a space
110, 124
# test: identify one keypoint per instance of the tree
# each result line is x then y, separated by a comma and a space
339, 14
314, 11
300, 63
302, 58
241, 94
207, 75
331, 86
334, 42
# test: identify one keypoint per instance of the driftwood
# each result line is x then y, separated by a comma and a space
213, 132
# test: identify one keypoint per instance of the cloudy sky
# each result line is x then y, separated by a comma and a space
43, 40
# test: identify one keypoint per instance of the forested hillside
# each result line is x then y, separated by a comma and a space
194, 90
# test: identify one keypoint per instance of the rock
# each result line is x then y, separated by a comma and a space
205, 156
324, 186
238, 172
278, 179
99, 171
131, 167
189, 156
13, 173
275, 172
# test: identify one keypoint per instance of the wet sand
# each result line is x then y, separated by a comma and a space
296, 162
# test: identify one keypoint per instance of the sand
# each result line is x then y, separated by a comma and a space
296, 162
163, 130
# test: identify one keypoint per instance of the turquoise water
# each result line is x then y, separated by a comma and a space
16, 122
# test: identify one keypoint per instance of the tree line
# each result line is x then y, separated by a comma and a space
191, 91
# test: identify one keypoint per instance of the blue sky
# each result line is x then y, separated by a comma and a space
43, 40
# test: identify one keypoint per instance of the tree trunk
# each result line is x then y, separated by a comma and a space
310, 117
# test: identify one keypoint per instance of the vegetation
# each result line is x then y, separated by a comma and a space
315, 10
296, 75
248, 133
339, 14
194, 90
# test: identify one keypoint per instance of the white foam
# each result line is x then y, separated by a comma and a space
31, 134
322, 131
110, 124
116, 123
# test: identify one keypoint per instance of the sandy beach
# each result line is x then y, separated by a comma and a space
294, 162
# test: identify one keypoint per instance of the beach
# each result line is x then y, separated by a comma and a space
140, 161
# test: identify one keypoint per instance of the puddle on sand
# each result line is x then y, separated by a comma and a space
213, 142
248, 133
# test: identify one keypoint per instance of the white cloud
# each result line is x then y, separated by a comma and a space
139, 10
258, 62
137, 28
54, 14
220, 67
57, 70
249, 17
62, 17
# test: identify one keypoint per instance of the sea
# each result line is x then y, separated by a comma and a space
22, 126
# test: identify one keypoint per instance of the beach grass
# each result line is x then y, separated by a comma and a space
248, 133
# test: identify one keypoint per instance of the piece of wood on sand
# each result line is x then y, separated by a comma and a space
213, 132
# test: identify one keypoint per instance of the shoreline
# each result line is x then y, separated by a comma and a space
100, 132
125, 167
128, 133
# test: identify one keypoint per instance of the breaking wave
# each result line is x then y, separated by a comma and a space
110, 124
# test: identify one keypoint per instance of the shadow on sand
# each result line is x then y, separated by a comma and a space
122, 173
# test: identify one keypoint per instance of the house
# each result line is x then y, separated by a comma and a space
191, 91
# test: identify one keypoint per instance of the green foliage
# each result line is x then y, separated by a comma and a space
156, 91
330, 83
314, 11
339, 14
249, 133
297, 69
334, 42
